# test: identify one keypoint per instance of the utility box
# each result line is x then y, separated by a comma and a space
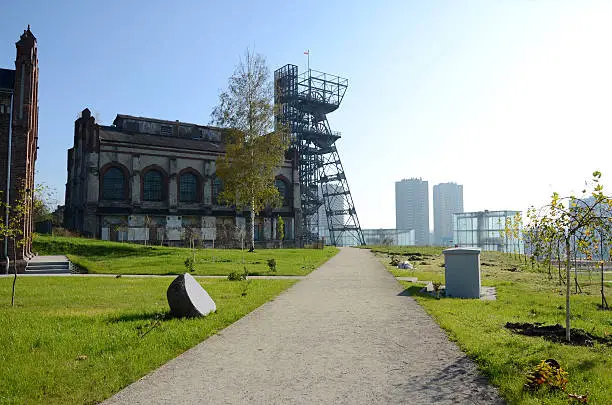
462, 272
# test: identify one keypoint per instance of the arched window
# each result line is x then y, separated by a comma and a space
153, 186
217, 187
283, 190
113, 184
188, 186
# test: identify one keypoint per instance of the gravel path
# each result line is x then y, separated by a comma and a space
343, 335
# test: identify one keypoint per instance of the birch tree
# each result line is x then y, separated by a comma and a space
254, 148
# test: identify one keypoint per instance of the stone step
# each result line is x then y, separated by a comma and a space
50, 265
39, 265
48, 271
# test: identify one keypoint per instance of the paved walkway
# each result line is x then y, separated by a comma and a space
343, 335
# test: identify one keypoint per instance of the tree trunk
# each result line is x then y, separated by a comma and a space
559, 264
252, 249
604, 303
567, 290
15, 272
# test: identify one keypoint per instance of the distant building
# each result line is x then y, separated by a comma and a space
447, 200
412, 208
337, 220
485, 230
390, 237
154, 181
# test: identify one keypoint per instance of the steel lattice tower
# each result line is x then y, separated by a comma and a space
303, 101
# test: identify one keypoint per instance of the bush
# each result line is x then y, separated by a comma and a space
59, 231
237, 276
190, 265
272, 265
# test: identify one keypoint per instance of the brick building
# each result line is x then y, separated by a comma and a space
151, 180
18, 140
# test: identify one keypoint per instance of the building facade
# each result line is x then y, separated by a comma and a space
337, 220
486, 230
153, 181
389, 237
18, 145
412, 208
447, 200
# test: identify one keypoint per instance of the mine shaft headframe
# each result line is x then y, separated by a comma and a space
324, 90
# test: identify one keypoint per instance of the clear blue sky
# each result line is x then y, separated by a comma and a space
510, 98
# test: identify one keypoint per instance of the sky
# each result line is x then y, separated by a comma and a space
511, 98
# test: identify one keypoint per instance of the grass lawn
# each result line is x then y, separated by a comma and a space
522, 296
124, 258
79, 340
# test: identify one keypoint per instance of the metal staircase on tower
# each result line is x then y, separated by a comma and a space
303, 102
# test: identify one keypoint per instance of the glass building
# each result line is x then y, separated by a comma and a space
393, 237
486, 230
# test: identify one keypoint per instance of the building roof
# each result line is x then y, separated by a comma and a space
112, 134
7, 79
121, 117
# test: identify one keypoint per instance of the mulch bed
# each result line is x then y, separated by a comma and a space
556, 333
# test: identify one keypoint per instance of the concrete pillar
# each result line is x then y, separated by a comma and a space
135, 189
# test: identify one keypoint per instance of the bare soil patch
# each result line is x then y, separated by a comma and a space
556, 333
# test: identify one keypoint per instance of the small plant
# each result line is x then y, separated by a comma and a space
245, 287
234, 276
281, 231
190, 265
436, 287
238, 276
548, 373
272, 265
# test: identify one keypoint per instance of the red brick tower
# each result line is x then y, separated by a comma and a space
22, 129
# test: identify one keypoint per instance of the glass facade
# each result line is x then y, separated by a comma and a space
392, 237
485, 230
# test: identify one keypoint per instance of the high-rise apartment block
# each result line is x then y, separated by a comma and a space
447, 200
412, 208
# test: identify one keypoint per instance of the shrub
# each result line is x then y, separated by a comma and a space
547, 373
272, 264
190, 265
237, 276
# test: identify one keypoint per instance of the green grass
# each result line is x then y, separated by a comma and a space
427, 261
523, 295
58, 321
124, 258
